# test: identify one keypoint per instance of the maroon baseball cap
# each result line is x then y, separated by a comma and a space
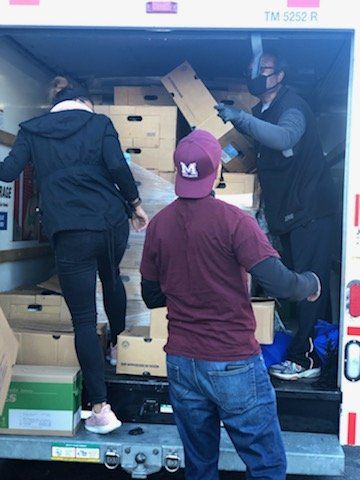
196, 159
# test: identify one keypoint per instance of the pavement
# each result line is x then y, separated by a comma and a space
26, 470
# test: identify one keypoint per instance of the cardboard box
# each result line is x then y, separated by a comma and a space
239, 189
159, 323
42, 401
247, 182
8, 353
238, 99
139, 354
264, 311
46, 348
158, 159
137, 131
145, 124
50, 348
102, 109
191, 96
33, 305
142, 95
148, 134
52, 284
197, 105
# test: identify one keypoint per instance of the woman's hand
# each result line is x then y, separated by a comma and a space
139, 219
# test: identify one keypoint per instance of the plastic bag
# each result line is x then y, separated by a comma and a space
277, 351
326, 340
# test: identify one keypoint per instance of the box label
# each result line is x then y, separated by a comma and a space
228, 153
40, 420
71, 452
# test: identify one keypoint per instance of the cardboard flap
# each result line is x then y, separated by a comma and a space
51, 284
8, 353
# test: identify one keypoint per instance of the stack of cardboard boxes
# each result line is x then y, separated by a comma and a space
44, 395
141, 349
42, 325
156, 194
146, 120
148, 133
36, 399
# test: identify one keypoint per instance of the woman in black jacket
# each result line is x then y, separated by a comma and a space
87, 195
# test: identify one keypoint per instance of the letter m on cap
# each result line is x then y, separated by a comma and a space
189, 171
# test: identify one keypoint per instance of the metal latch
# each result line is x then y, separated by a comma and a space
141, 460
112, 459
172, 462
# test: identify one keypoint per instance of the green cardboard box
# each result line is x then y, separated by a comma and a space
42, 401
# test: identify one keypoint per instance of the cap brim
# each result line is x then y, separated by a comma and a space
194, 188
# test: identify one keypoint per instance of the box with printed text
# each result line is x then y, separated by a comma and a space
42, 401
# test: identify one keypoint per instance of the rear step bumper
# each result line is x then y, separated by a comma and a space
157, 446
302, 406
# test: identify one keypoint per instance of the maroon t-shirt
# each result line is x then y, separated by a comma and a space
200, 251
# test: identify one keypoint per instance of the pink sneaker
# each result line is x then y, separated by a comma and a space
103, 422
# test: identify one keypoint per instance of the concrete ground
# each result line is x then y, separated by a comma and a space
25, 470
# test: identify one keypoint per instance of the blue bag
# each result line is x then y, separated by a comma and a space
277, 351
326, 339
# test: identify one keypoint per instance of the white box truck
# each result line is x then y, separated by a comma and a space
134, 42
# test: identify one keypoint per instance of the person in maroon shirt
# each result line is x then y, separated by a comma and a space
196, 256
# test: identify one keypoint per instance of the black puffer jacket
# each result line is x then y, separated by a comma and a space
83, 178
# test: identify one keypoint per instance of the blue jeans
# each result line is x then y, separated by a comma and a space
240, 394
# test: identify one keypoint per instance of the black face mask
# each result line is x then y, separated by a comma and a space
257, 85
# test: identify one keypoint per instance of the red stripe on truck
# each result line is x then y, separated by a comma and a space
352, 429
357, 210
353, 331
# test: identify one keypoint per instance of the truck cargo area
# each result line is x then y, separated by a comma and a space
319, 69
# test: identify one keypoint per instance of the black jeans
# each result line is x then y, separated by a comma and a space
79, 256
310, 247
